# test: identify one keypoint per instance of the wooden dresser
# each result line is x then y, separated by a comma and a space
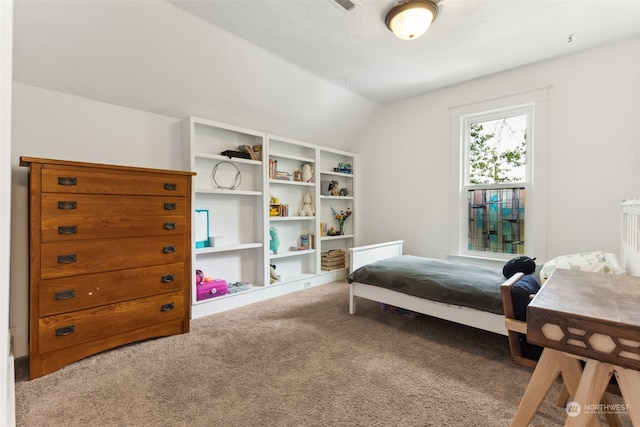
110, 258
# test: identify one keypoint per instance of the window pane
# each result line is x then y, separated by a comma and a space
496, 220
498, 150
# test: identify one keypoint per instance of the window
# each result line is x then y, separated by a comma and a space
505, 185
496, 179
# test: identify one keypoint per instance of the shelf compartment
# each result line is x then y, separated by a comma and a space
250, 177
292, 157
232, 265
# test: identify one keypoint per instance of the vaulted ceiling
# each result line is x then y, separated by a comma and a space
469, 38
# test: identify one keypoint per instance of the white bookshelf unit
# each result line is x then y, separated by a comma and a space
330, 162
237, 194
289, 156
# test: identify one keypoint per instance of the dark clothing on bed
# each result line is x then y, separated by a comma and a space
521, 295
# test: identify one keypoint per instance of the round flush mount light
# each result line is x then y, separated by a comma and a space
411, 19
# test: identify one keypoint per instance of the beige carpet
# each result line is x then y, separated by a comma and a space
298, 360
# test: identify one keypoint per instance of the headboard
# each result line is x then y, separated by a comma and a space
630, 237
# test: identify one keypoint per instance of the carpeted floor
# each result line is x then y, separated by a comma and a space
298, 360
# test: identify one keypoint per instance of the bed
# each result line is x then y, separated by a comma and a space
482, 309
475, 302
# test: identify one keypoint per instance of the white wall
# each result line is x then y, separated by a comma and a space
7, 392
592, 154
60, 126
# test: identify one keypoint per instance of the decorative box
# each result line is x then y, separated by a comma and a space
332, 260
211, 289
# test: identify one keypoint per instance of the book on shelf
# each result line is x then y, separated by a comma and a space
285, 176
273, 166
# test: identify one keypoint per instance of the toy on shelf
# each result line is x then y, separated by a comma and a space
307, 173
306, 208
206, 287
274, 243
273, 275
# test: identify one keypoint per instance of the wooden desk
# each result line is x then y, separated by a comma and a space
590, 316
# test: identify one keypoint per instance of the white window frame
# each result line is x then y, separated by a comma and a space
534, 103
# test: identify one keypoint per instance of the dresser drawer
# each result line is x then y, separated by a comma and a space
69, 329
60, 180
79, 292
65, 205
59, 259
81, 228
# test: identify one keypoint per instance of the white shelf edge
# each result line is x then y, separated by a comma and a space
294, 278
346, 175
227, 248
292, 218
284, 181
220, 157
230, 192
337, 197
235, 294
287, 254
343, 236
292, 157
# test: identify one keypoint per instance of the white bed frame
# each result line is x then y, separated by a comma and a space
364, 255
630, 237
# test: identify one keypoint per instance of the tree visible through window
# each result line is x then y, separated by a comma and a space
496, 181
498, 150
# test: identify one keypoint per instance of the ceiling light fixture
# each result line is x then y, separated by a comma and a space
412, 18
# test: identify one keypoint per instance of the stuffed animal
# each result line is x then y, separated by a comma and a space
273, 275
306, 208
307, 173
334, 188
274, 243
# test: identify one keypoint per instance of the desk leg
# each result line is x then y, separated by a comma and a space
594, 381
629, 383
551, 364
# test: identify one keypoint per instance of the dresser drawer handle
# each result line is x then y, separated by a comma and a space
169, 249
64, 180
170, 226
67, 205
170, 206
170, 186
168, 307
66, 259
67, 229
168, 278
60, 332
68, 294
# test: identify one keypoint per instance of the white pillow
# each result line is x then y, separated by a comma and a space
596, 262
